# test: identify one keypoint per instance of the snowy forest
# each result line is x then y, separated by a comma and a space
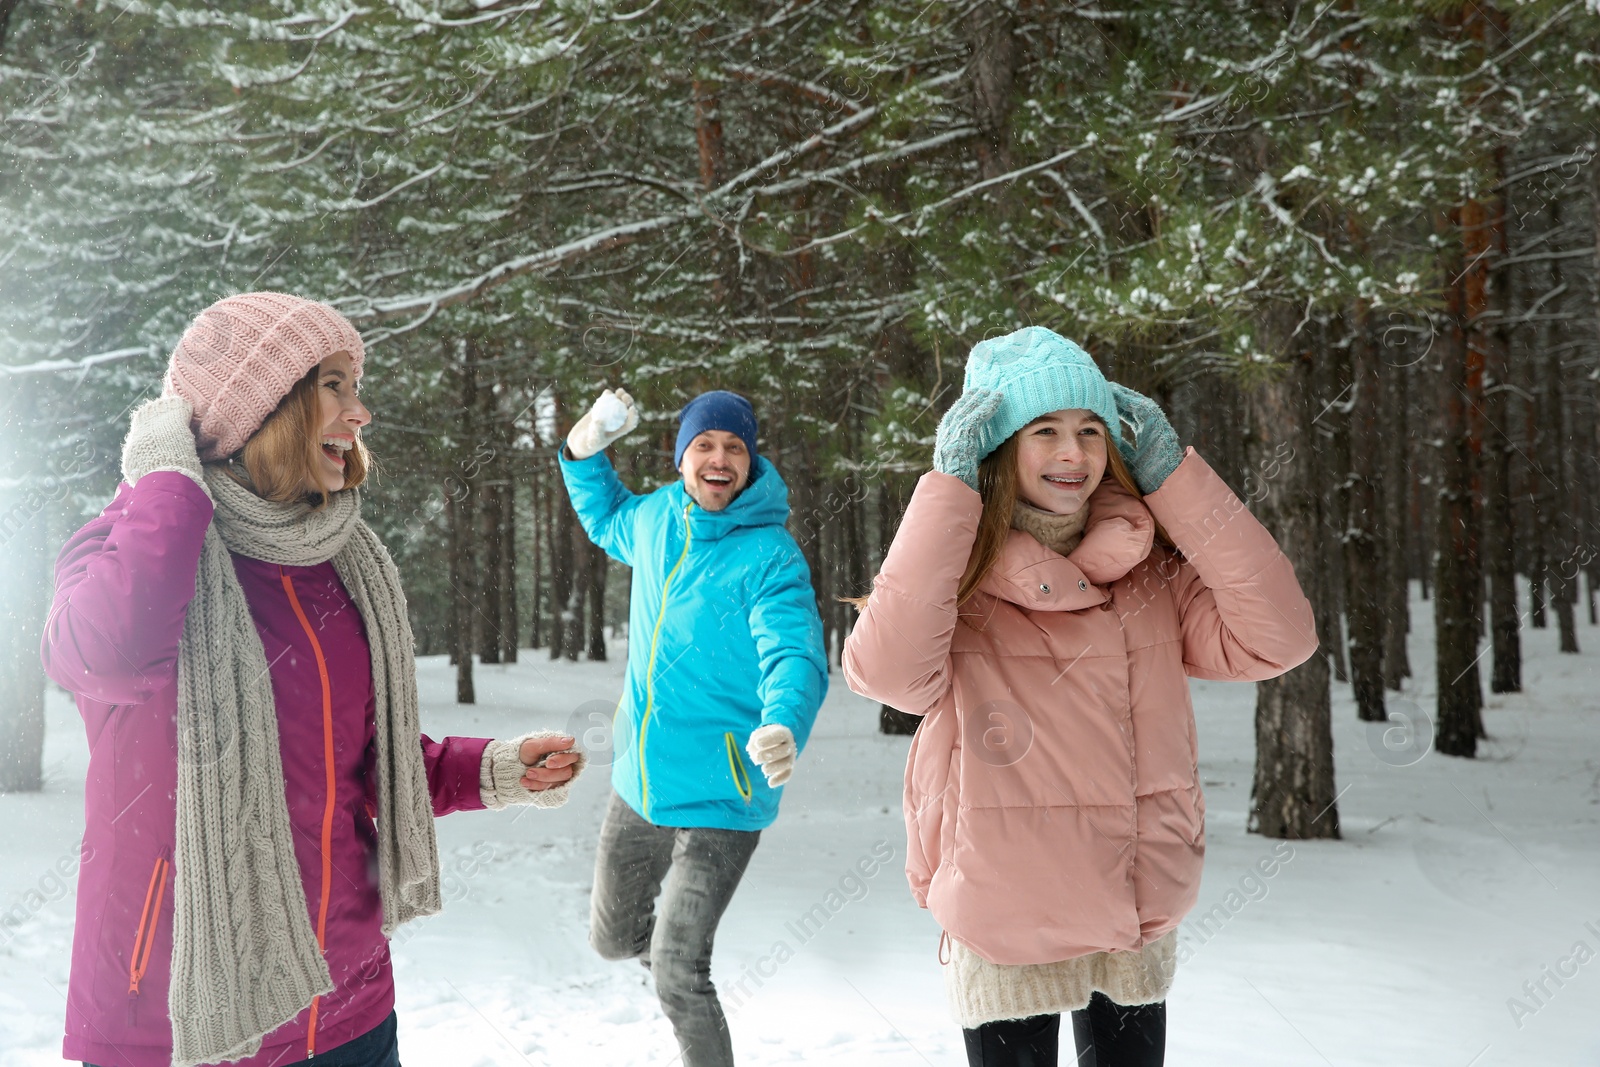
1352, 247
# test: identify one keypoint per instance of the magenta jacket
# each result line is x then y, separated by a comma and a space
123, 585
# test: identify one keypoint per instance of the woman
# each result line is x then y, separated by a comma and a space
1026, 610
260, 800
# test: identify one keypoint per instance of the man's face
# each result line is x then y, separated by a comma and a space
715, 467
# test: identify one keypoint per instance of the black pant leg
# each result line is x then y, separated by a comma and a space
1108, 1034
1031, 1042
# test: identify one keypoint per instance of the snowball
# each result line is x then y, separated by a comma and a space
610, 412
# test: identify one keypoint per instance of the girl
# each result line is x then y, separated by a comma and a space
260, 800
1056, 826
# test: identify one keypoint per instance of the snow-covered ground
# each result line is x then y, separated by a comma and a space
1407, 943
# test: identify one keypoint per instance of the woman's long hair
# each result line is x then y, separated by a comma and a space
282, 457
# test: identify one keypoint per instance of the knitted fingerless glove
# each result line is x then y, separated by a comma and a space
160, 439
500, 775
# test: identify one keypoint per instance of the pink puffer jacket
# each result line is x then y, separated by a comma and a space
1052, 796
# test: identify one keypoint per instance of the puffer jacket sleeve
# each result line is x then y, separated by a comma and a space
123, 587
788, 636
605, 506
1243, 614
899, 651
453, 768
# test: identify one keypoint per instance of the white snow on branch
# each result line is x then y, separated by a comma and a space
66, 366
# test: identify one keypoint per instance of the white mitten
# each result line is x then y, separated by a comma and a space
612, 417
773, 748
160, 439
500, 775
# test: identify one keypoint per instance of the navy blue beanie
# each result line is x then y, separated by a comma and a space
716, 410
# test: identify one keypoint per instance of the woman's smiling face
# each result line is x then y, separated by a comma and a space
341, 414
1061, 458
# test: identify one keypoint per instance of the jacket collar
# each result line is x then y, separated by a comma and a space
1119, 535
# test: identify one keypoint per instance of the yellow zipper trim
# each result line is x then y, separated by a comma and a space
741, 780
650, 667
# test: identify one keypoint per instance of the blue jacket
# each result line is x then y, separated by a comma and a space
724, 636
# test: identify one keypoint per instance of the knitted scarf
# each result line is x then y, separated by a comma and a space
1059, 533
244, 957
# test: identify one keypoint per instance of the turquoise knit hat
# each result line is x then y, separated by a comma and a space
1037, 371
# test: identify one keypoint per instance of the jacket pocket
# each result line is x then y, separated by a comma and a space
741, 777
145, 936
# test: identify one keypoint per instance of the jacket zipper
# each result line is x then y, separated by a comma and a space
741, 779
650, 667
145, 936
327, 809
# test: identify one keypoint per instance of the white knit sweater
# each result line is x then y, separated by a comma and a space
983, 992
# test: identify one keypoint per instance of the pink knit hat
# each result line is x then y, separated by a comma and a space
242, 355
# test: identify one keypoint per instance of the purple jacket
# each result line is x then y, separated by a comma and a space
123, 585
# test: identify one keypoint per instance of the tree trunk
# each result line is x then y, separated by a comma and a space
829, 538
598, 570
1329, 464
1556, 459
805, 494
1293, 792
1425, 393
22, 610
540, 508
1455, 565
510, 624
1499, 527
1364, 562
992, 32
1396, 464
1592, 541
853, 563
561, 569
908, 362
891, 506
458, 509
486, 615
708, 132
7, 8
461, 501
1533, 490
1537, 617
577, 592
489, 443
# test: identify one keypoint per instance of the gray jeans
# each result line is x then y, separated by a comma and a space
701, 868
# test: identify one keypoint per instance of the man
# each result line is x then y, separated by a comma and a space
725, 662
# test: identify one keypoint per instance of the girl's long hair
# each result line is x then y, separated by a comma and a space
997, 486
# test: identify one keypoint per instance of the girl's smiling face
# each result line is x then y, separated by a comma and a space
1061, 458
